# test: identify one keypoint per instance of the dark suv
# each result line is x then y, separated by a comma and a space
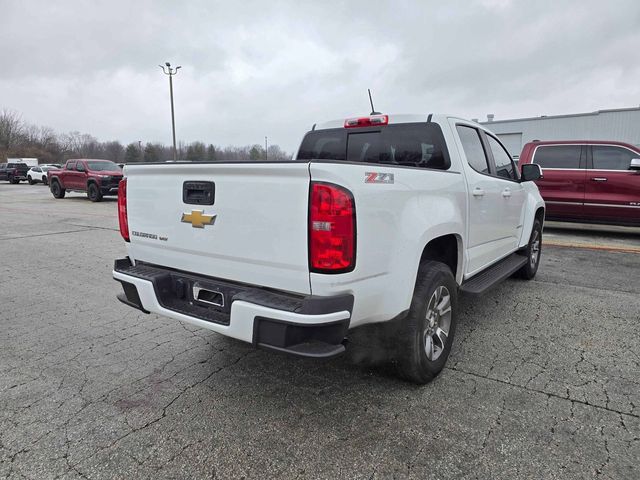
13, 172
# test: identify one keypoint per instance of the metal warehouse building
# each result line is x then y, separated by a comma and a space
621, 124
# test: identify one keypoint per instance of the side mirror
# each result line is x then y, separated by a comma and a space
635, 164
530, 172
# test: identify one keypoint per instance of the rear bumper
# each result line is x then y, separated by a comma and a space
307, 326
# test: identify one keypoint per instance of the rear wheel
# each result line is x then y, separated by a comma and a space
57, 190
93, 192
426, 335
31, 182
532, 252
13, 180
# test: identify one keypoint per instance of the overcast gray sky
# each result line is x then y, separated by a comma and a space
251, 69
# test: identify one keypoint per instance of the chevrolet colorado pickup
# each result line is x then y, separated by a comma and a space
95, 177
383, 218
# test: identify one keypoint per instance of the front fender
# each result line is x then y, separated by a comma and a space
533, 203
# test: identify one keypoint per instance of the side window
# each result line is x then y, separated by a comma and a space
612, 158
80, 167
71, 165
473, 149
558, 156
502, 159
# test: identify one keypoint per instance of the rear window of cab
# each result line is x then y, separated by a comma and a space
419, 145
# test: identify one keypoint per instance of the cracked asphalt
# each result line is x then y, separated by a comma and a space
543, 380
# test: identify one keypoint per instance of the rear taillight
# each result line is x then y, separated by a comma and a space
122, 209
332, 229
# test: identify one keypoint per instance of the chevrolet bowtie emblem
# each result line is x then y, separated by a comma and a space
198, 219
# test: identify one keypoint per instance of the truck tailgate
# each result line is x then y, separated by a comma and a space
258, 235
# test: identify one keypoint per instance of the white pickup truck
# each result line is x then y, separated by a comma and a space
382, 218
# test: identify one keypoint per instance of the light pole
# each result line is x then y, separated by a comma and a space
265, 149
171, 72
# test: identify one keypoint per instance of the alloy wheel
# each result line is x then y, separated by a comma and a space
438, 323
535, 249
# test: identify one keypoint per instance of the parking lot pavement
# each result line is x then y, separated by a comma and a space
543, 380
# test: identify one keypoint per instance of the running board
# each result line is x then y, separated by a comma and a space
483, 281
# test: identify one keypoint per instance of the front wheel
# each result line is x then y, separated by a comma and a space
532, 252
31, 182
426, 334
45, 180
57, 190
93, 192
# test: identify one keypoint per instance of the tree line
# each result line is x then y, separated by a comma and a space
21, 139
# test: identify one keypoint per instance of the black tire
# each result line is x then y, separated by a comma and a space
415, 333
13, 180
57, 190
532, 252
45, 180
93, 192
31, 182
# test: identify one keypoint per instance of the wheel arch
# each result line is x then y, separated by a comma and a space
55, 178
534, 210
446, 248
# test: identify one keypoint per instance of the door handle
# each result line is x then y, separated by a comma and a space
598, 179
478, 192
506, 193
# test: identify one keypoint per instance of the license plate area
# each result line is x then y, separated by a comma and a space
209, 297
212, 295
208, 300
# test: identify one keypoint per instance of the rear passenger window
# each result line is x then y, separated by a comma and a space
473, 149
502, 159
612, 158
558, 156
71, 166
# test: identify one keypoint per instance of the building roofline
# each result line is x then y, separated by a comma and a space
569, 115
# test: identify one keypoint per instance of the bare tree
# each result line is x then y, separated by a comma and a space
11, 128
79, 144
114, 151
25, 140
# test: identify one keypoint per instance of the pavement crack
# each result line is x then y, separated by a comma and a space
48, 234
165, 408
550, 394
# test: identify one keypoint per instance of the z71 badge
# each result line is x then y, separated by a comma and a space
378, 177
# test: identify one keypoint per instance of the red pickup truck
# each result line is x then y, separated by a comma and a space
588, 181
95, 177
